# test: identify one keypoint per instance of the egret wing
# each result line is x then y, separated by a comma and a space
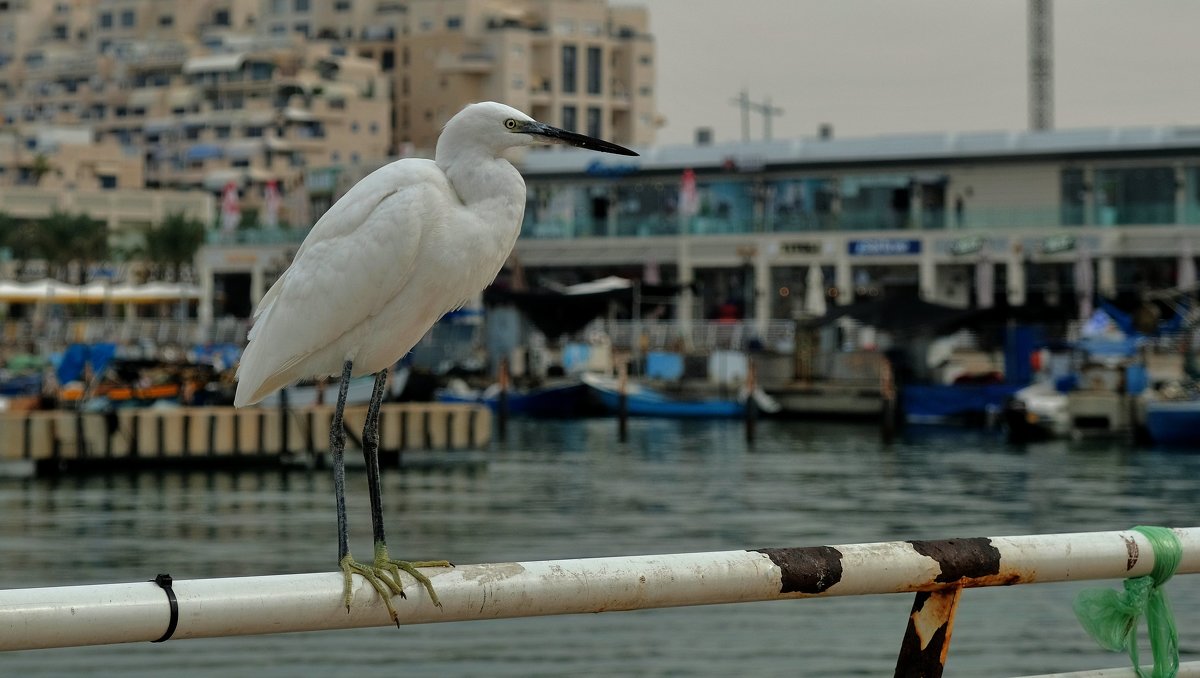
356, 206
355, 260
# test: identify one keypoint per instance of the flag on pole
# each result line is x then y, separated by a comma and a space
231, 210
271, 201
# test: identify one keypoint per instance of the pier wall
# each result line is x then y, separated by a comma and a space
63, 438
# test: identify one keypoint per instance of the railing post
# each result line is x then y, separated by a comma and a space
927, 638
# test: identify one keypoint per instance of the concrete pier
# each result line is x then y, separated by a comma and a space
62, 439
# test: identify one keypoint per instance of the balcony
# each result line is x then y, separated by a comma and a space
478, 63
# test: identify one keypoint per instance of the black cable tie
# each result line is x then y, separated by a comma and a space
164, 581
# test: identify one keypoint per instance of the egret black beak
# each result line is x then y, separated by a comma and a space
554, 135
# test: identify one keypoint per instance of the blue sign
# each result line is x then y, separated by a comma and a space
874, 247
598, 168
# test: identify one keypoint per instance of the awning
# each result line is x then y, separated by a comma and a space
158, 125
41, 290
182, 96
214, 63
153, 292
217, 179
243, 148
203, 152
298, 114
144, 97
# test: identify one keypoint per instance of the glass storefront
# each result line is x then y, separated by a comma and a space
731, 203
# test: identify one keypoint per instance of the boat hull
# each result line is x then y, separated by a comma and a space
643, 402
1174, 422
550, 402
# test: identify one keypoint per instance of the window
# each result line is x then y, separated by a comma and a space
106, 20
453, 23
645, 60
568, 118
594, 56
60, 32
387, 60
254, 132
341, 6
568, 69
374, 127
108, 181
593, 121
166, 21
302, 29
354, 127
221, 17
301, 5
128, 18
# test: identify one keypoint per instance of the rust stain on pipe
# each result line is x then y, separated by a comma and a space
811, 569
962, 559
1131, 548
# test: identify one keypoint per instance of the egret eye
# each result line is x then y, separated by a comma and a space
510, 123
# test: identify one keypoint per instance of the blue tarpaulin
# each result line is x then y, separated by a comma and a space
203, 152
667, 366
70, 368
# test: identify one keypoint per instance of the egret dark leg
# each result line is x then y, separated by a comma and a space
383, 561
337, 447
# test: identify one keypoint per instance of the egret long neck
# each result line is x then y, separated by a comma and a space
488, 186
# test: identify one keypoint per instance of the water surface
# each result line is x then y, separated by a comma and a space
568, 490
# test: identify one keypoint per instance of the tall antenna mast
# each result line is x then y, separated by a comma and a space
1041, 66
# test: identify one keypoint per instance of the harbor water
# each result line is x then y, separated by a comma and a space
567, 490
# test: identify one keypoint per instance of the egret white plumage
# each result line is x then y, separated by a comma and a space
406, 244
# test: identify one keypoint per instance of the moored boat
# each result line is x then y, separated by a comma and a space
643, 401
557, 399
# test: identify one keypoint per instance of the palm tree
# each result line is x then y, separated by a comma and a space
63, 239
41, 167
173, 244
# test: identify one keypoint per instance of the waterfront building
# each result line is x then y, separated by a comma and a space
959, 219
971, 219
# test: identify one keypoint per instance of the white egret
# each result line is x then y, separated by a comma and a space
410, 242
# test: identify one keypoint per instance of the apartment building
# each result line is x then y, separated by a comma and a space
115, 94
305, 94
578, 64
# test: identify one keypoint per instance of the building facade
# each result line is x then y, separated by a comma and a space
185, 96
966, 219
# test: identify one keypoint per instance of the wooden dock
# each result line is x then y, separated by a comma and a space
210, 436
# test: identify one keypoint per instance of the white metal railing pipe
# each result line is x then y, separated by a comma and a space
131, 612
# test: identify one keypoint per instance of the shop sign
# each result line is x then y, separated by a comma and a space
873, 247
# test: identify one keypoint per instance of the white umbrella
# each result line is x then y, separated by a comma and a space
1084, 282
985, 283
814, 291
1186, 275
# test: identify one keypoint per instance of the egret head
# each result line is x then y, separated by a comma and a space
498, 128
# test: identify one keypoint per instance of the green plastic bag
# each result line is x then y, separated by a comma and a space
1111, 617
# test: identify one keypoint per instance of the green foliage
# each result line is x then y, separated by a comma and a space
60, 239
173, 244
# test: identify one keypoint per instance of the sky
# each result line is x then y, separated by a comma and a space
872, 67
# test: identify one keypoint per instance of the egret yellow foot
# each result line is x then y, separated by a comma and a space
384, 562
384, 577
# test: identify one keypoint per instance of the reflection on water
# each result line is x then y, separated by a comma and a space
566, 490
